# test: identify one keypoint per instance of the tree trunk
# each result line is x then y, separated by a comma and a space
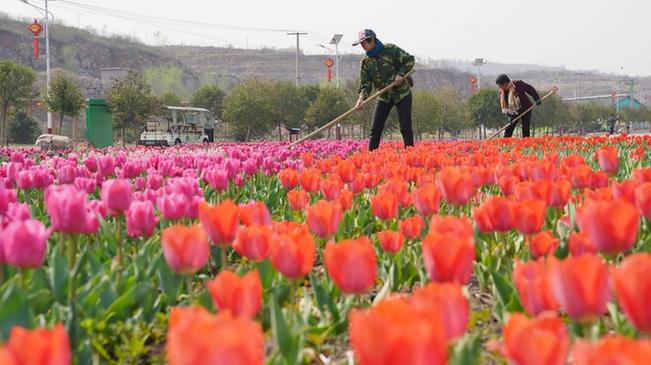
61, 123
3, 134
280, 133
124, 140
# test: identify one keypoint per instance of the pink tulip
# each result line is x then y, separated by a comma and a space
173, 206
24, 243
116, 195
19, 212
68, 210
106, 166
140, 183
91, 164
217, 179
86, 184
98, 207
7, 196
67, 174
141, 219
154, 181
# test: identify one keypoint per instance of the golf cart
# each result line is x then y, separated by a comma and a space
177, 125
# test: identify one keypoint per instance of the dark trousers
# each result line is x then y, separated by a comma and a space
526, 126
380, 116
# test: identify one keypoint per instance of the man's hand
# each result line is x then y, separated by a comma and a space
538, 102
359, 105
397, 80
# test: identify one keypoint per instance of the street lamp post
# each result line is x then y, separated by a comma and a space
47, 56
337, 59
478, 62
335, 40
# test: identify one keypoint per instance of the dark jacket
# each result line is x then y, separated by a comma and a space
522, 89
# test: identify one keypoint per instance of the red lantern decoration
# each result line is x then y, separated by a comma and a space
473, 84
329, 63
36, 29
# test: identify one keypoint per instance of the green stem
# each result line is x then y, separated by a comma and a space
23, 273
222, 256
2, 274
72, 256
188, 283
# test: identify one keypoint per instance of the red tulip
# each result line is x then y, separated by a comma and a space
185, 248
323, 218
539, 341
194, 337
346, 200
632, 286
331, 187
116, 195
254, 212
580, 286
393, 332
530, 215
347, 171
293, 252
242, 296
391, 241
532, 284
560, 193
612, 350
412, 227
220, 221
253, 242
351, 264
384, 205
642, 197
607, 158
495, 214
580, 244
41, 346
427, 199
24, 243
611, 225
444, 303
625, 190
543, 243
449, 257
455, 226
298, 199
288, 178
455, 185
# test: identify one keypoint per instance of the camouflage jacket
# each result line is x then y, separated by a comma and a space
378, 72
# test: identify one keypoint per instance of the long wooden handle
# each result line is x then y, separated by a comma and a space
351, 111
553, 91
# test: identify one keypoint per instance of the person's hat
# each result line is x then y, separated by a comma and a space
363, 35
502, 79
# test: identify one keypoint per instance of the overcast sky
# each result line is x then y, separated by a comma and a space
606, 35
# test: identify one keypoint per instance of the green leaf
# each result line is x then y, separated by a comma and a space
14, 310
466, 351
287, 342
121, 307
502, 288
169, 282
266, 272
59, 275
323, 299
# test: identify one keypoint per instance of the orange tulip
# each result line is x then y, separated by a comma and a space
293, 253
532, 284
580, 286
611, 225
346, 200
253, 242
543, 243
427, 199
186, 249
358, 185
455, 185
642, 174
220, 221
288, 178
347, 171
309, 180
6, 357
530, 215
540, 190
632, 286
351, 264
399, 188
580, 244
412, 227
323, 218
612, 350
393, 332
41, 346
449, 257
254, 212
495, 214
444, 303
391, 241
195, 337
331, 187
607, 159
242, 296
298, 199
384, 206
539, 341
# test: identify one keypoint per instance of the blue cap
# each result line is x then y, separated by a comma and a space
363, 35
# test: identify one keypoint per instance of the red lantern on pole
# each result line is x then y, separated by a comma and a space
35, 28
329, 63
473, 84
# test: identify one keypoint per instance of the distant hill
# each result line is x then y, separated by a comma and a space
84, 52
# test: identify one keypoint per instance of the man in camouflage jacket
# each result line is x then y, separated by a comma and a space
385, 64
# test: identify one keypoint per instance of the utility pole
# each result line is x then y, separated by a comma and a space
298, 51
631, 83
335, 40
478, 62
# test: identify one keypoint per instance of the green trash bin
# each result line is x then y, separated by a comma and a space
99, 124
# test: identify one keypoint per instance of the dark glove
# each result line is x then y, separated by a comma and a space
538, 102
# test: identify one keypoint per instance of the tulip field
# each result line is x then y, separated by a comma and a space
520, 251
